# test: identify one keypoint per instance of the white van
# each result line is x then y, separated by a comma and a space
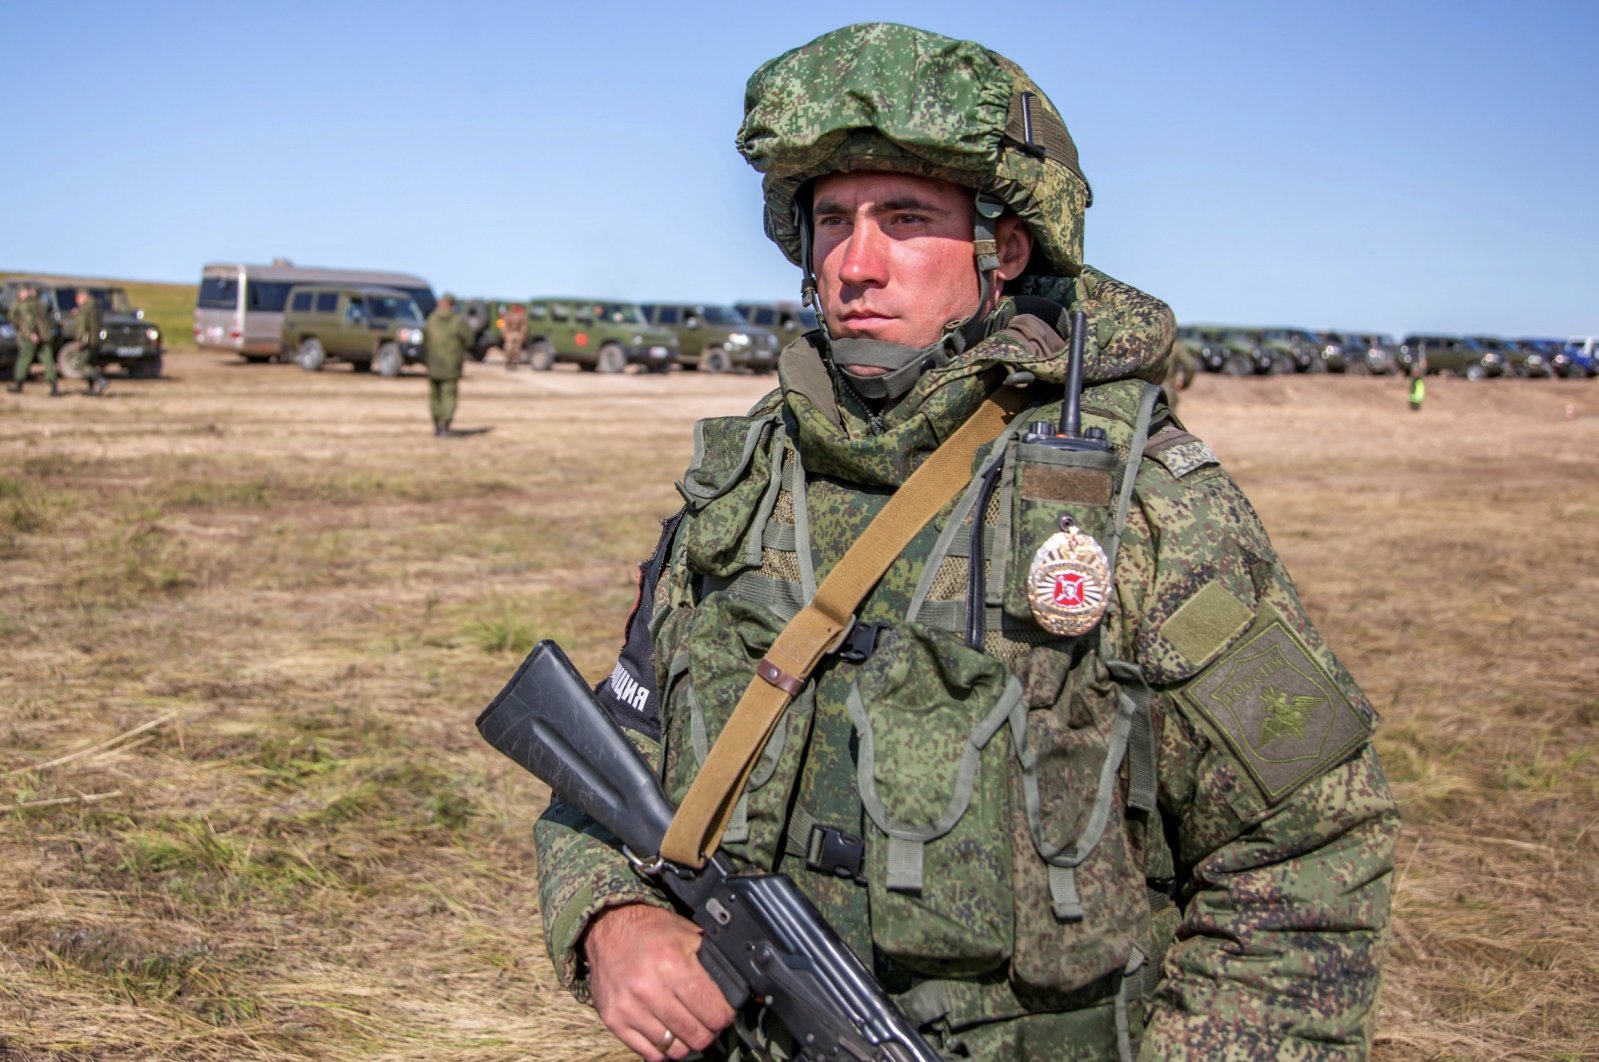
240, 306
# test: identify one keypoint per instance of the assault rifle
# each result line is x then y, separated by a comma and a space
763, 943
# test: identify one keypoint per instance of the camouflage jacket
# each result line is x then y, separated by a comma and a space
1241, 878
86, 323
30, 319
446, 338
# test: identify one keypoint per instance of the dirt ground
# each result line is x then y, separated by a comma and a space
250, 614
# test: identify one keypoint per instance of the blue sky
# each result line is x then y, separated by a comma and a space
1390, 166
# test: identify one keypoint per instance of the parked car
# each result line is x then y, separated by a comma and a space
1293, 350
1454, 354
787, 319
366, 326
1520, 361
1233, 351
126, 339
239, 306
1583, 351
1358, 353
715, 338
598, 335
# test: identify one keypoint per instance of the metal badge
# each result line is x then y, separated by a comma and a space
1068, 585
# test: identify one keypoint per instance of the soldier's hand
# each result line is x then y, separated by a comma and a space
647, 981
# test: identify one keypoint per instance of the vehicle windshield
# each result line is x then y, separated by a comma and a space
219, 293
618, 313
393, 308
1471, 344
112, 300
723, 315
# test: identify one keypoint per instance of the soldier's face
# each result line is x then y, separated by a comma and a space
893, 255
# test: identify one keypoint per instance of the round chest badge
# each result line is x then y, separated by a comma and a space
1068, 584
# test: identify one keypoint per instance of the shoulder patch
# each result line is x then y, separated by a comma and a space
1285, 720
1188, 455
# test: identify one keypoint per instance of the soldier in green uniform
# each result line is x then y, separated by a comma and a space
28, 316
86, 335
1081, 780
1180, 372
446, 339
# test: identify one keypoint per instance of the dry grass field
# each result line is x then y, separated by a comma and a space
250, 614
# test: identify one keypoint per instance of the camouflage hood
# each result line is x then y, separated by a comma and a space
1129, 337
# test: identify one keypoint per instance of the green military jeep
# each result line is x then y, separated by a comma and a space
715, 338
1232, 351
364, 325
1293, 350
126, 338
787, 319
597, 335
1455, 354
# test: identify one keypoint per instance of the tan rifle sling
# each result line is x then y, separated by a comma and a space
818, 629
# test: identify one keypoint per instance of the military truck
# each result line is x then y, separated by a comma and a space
1453, 354
598, 335
126, 339
715, 338
787, 319
367, 326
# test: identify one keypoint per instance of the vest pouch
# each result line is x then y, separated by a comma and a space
1047, 484
1080, 892
725, 486
933, 719
704, 680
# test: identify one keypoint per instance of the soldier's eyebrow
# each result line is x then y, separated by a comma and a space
886, 206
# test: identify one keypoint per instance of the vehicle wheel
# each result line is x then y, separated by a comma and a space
1475, 371
715, 359
67, 364
1238, 365
389, 360
1283, 364
476, 315
541, 355
1357, 367
611, 358
1317, 364
311, 355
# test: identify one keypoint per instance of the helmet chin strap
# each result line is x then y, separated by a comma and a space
905, 365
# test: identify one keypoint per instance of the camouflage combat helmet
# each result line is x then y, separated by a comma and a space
883, 97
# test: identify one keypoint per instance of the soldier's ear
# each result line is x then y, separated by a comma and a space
1015, 243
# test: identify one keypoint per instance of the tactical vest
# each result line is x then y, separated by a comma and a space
978, 823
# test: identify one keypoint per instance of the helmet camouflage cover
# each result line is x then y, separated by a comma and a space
883, 97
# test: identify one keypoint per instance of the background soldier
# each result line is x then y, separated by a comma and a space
1418, 377
33, 337
447, 339
1180, 374
514, 334
1058, 796
86, 324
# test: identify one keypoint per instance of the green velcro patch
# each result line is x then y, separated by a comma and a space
1284, 719
1205, 623
1090, 486
1185, 457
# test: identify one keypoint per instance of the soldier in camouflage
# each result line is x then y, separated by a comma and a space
86, 336
445, 339
514, 334
1169, 837
32, 322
